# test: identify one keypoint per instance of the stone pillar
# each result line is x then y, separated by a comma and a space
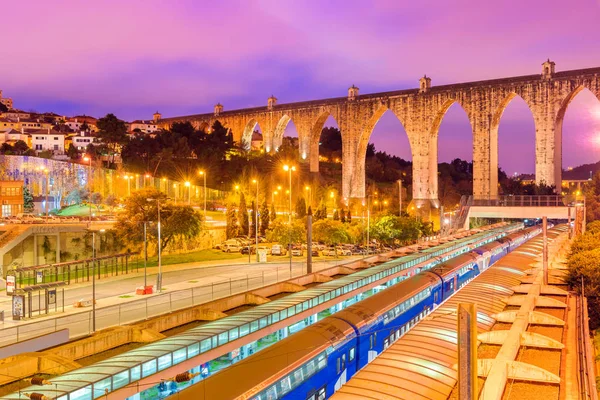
548, 146
58, 247
485, 157
304, 139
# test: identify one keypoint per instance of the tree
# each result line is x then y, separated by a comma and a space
330, 232
321, 212
243, 216
300, 208
28, 205
280, 232
232, 222
348, 216
96, 199
46, 248
20, 147
3, 107
264, 218
336, 215
342, 216
273, 212
113, 133
72, 152
77, 196
6, 148
84, 127
177, 221
111, 201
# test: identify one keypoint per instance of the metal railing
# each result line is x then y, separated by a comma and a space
522, 201
80, 324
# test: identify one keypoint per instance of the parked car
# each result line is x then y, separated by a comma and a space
231, 248
344, 251
297, 251
278, 250
315, 252
245, 249
330, 251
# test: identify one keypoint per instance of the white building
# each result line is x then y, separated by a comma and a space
48, 140
75, 123
11, 136
143, 126
83, 139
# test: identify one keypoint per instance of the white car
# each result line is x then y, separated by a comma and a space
330, 251
344, 251
278, 250
231, 248
297, 252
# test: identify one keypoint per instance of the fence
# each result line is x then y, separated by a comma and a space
80, 324
522, 201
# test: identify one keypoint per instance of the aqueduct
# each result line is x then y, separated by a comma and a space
420, 111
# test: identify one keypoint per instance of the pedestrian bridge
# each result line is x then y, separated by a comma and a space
519, 207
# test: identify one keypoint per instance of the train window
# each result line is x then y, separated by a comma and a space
435, 297
244, 330
253, 326
343, 361
223, 338
351, 354
263, 322
370, 342
386, 343
233, 333
193, 349
338, 366
290, 311
274, 317
285, 385
310, 367
321, 394
322, 361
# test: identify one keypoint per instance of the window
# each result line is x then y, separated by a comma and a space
351, 354
338, 366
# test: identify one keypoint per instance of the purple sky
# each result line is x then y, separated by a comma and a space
135, 57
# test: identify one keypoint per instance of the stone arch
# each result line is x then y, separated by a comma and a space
279, 130
315, 137
204, 126
359, 178
246, 140
558, 128
431, 191
496, 117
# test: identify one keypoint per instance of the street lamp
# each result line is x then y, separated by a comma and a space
159, 276
94, 278
47, 187
88, 159
147, 176
399, 197
289, 169
255, 181
188, 185
204, 176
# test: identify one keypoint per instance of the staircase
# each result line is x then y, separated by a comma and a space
463, 212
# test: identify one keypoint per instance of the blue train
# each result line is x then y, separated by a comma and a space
316, 361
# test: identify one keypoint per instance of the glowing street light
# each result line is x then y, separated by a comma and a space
188, 185
204, 176
289, 169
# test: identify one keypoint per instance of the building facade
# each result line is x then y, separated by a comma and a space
11, 198
48, 140
6, 101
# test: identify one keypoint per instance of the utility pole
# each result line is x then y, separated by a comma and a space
467, 351
545, 249
309, 241
399, 197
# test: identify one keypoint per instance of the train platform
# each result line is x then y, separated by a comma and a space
512, 301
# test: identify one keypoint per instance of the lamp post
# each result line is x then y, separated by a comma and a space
47, 188
307, 188
204, 176
189, 186
94, 279
159, 276
89, 160
399, 197
289, 169
368, 223
147, 176
255, 181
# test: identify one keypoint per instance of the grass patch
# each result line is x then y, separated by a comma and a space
192, 281
125, 296
82, 210
194, 256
